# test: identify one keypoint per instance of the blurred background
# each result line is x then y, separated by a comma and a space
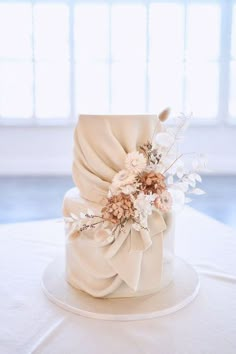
62, 58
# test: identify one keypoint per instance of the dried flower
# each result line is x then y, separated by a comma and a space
143, 203
118, 208
135, 162
164, 114
152, 182
122, 178
146, 149
129, 189
143, 208
163, 202
154, 157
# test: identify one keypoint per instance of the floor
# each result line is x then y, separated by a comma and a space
36, 198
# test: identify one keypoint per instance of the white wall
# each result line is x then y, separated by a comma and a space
48, 150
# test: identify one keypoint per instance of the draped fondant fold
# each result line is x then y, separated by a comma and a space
100, 147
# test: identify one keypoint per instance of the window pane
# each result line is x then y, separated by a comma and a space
165, 86
51, 31
232, 99
15, 90
91, 88
128, 31
15, 30
128, 88
91, 32
166, 30
52, 90
233, 38
202, 90
203, 31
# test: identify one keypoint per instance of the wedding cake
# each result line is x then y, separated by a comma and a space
119, 219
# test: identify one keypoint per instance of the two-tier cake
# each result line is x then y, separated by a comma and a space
119, 217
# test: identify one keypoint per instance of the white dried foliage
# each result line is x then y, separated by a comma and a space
164, 139
197, 191
170, 180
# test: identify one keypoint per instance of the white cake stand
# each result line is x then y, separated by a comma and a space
177, 295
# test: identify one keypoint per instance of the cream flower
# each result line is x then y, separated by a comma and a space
135, 162
164, 201
122, 178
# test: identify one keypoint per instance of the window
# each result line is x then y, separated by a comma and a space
232, 99
59, 58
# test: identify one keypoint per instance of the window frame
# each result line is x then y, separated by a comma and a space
222, 118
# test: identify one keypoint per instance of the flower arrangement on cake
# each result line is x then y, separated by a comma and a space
155, 177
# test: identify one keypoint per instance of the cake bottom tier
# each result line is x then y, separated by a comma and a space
112, 269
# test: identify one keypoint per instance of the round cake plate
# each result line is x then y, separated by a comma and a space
182, 290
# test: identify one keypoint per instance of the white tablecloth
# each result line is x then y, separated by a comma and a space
31, 324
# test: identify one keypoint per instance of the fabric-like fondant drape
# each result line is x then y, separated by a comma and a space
100, 146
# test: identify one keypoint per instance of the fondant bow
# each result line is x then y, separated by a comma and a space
126, 253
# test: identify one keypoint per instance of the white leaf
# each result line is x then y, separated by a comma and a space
68, 219
197, 191
78, 223
200, 163
203, 161
164, 139
195, 163
190, 180
177, 198
197, 177
90, 212
191, 177
82, 215
192, 183
75, 217
180, 172
170, 180
183, 186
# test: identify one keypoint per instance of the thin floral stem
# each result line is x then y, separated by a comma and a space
173, 163
99, 222
84, 227
187, 153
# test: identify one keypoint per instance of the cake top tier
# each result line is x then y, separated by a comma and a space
101, 143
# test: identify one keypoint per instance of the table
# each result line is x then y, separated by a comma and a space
32, 324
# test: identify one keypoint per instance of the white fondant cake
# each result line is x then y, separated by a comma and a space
132, 262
